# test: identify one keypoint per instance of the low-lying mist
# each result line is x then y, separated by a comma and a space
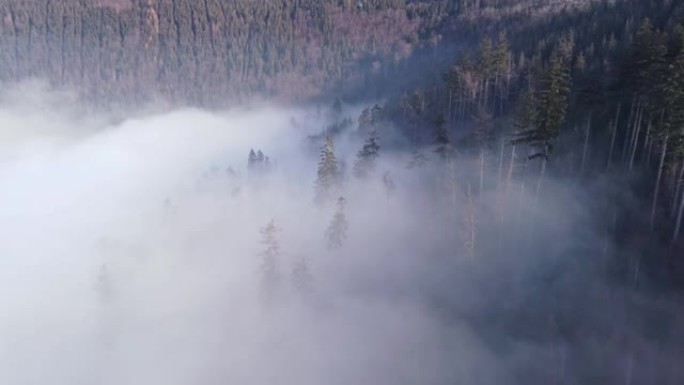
144, 250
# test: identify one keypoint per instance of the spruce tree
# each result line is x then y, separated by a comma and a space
365, 120
336, 233
365, 158
328, 174
252, 160
540, 125
376, 115
269, 268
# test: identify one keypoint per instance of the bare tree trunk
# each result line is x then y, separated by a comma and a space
657, 185
630, 368
586, 146
509, 179
482, 167
501, 154
628, 134
542, 174
470, 224
645, 153
678, 224
449, 108
612, 140
636, 139
678, 187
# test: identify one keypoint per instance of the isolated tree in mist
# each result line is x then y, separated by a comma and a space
269, 268
301, 276
376, 115
257, 162
336, 233
365, 158
329, 174
252, 160
365, 121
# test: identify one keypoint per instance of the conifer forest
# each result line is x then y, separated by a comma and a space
364, 192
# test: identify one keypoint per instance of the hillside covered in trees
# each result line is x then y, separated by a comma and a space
438, 192
215, 52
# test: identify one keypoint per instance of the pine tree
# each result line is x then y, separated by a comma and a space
365, 158
376, 115
329, 174
336, 233
269, 269
252, 160
541, 118
365, 120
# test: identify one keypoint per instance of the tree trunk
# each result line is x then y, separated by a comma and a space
509, 179
657, 185
482, 167
612, 140
635, 140
645, 152
678, 224
542, 174
501, 154
586, 146
449, 108
678, 187
628, 133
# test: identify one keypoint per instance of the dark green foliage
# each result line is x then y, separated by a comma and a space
365, 158
541, 127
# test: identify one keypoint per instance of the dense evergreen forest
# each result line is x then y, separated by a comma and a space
533, 150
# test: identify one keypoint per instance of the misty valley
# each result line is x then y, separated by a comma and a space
341, 192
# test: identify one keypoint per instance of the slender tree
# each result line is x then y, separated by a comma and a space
364, 165
329, 173
336, 233
550, 114
269, 268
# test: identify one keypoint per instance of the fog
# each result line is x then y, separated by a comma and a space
131, 254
